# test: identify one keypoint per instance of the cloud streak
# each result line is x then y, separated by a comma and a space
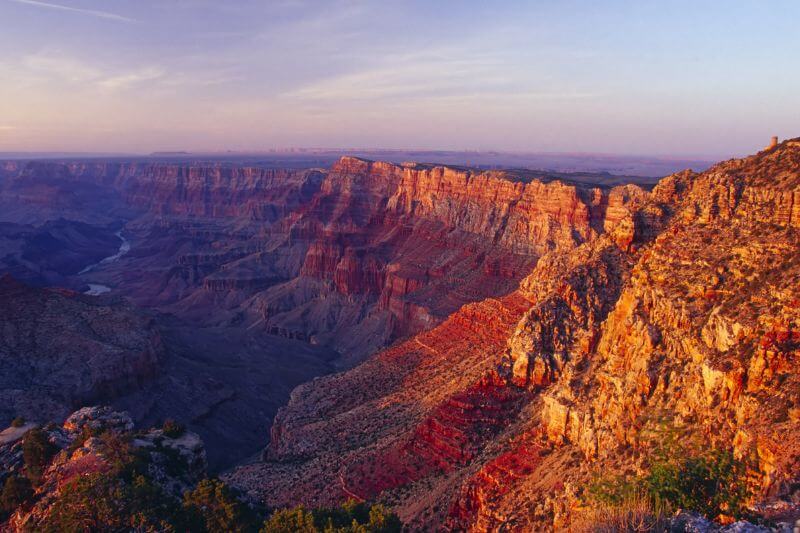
123, 81
446, 76
48, 69
90, 12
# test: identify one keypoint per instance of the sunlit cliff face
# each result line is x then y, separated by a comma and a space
681, 309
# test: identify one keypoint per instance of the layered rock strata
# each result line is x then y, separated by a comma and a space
352, 258
681, 307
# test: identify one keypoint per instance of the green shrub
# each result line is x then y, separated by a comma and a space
351, 517
124, 498
711, 483
99, 502
684, 475
384, 521
16, 491
213, 506
119, 453
294, 520
173, 429
37, 450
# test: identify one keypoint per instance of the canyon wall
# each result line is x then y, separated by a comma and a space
259, 272
97, 190
385, 251
680, 308
247, 193
351, 258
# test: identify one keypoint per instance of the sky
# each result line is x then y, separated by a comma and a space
683, 78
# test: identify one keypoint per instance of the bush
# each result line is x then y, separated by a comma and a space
380, 519
213, 506
121, 501
18, 422
173, 429
119, 453
682, 475
122, 498
713, 484
295, 520
37, 450
99, 502
16, 491
351, 517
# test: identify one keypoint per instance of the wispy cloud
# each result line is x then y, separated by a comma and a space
442, 75
90, 12
59, 66
7, 128
44, 66
125, 80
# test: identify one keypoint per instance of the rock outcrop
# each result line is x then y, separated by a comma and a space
89, 443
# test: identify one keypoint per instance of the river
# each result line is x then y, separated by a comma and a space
96, 289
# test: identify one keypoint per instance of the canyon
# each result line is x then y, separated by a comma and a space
257, 278
680, 307
468, 346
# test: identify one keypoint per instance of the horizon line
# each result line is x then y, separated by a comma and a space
299, 150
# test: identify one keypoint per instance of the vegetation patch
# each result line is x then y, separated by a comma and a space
681, 474
37, 451
352, 517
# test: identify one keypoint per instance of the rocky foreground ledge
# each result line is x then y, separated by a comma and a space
94, 442
90, 443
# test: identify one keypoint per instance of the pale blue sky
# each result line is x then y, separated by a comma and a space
664, 77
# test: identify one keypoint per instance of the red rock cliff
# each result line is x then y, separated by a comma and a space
393, 249
682, 304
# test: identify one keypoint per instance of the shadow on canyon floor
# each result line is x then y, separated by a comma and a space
226, 384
